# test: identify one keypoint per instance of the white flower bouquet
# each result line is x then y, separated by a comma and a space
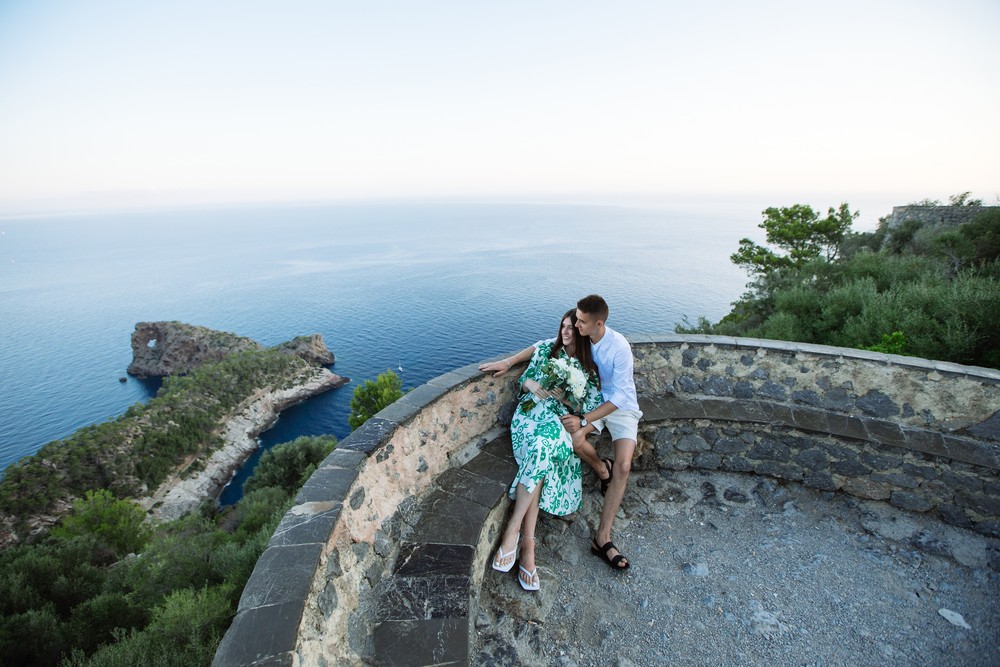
566, 374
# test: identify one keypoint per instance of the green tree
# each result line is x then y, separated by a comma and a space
119, 525
964, 199
372, 396
799, 234
289, 465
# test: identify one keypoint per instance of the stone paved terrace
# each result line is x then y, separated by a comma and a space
382, 558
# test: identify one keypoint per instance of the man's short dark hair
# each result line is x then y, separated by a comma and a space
594, 304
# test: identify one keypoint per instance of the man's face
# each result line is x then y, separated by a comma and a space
585, 322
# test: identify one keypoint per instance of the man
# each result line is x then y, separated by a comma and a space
619, 414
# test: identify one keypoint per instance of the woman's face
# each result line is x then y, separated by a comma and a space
566, 331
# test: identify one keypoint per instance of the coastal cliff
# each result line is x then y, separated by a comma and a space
170, 348
184, 444
178, 496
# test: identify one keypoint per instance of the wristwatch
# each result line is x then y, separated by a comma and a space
583, 421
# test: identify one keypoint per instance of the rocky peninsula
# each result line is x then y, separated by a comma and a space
179, 495
182, 447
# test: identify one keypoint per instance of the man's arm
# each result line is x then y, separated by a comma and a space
572, 423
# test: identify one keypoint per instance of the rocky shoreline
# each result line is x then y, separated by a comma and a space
177, 496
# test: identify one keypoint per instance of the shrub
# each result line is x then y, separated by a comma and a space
118, 525
289, 465
373, 396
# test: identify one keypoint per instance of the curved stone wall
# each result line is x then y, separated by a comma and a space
922, 435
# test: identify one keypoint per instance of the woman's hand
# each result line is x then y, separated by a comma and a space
540, 392
498, 368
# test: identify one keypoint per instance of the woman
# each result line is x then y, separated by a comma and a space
549, 475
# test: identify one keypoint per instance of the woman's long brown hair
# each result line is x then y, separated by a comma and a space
583, 353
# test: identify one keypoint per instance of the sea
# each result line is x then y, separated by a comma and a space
416, 288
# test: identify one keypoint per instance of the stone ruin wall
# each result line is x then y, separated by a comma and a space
919, 434
945, 216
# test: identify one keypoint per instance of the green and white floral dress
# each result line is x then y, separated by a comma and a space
543, 449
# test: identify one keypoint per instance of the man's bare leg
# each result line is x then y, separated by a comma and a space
624, 449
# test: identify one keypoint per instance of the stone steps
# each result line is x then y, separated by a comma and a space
426, 608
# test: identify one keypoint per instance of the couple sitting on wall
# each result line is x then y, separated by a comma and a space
577, 383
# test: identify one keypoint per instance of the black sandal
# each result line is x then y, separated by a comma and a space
605, 483
613, 563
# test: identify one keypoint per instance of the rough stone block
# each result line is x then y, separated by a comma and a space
424, 598
674, 461
783, 471
491, 467
807, 419
421, 560
838, 451
970, 451
813, 459
450, 520
297, 565
962, 482
707, 460
688, 385
988, 429
772, 391
981, 503
499, 447
769, 449
718, 409
924, 472
954, 515
743, 389
729, 446
837, 399
850, 468
371, 436
846, 426
806, 397
866, 488
717, 386
877, 404
737, 464
747, 411
896, 479
693, 443
910, 501
438, 641
880, 461
307, 523
886, 433
820, 480
473, 488
778, 414
328, 483
259, 635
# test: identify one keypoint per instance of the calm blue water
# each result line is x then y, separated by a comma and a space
418, 286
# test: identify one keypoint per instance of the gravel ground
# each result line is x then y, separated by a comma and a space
739, 570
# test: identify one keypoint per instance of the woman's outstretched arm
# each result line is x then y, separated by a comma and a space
498, 368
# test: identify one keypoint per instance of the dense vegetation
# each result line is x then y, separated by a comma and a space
924, 290
138, 450
374, 395
104, 588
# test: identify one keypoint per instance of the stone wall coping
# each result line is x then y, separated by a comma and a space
986, 374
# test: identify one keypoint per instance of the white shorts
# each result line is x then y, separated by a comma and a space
621, 424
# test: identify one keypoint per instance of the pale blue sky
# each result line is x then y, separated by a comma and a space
144, 103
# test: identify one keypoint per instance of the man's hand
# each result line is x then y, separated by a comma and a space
571, 423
